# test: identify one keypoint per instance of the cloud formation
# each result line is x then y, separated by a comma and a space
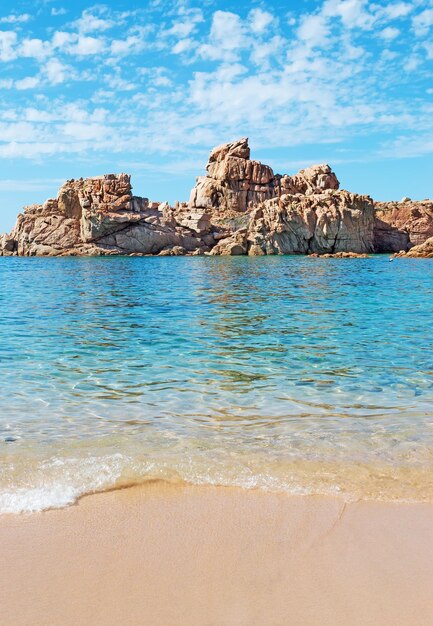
185, 75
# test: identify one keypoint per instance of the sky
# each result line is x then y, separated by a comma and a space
149, 88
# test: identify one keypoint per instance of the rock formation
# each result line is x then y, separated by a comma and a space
98, 216
328, 222
401, 225
235, 183
239, 207
423, 250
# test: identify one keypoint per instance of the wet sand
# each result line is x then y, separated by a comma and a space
165, 555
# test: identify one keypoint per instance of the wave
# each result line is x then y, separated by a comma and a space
33, 486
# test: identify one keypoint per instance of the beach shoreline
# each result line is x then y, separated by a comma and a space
171, 555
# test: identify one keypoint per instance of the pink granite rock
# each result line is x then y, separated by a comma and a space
239, 207
318, 223
400, 225
423, 250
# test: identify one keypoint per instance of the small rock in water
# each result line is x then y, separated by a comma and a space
10, 439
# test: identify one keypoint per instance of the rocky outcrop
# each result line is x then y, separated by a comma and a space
330, 222
423, 250
401, 225
239, 207
312, 180
98, 216
234, 183
342, 255
235, 244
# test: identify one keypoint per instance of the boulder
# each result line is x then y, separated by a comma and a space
234, 245
7, 245
312, 180
142, 237
174, 251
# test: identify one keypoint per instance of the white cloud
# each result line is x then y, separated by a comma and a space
34, 48
389, 33
388, 55
134, 43
353, 13
182, 29
321, 77
90, 22
6, 83
77, 44
186, 23
17, 131
162, 81
395, 11
264, 51
56, 72
412, 63
157, 76
86, 132
59, 11
87, 46
62, 39
117, 83
8, 39
31, 114
428, 46
29, 149
314, 30
422, 22
16, 19
184, 45
30, 82
260, 20
227, 36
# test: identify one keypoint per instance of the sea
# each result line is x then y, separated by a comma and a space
284, 373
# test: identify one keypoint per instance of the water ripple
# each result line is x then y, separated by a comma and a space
285, 372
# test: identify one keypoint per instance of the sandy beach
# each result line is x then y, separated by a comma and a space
185, 556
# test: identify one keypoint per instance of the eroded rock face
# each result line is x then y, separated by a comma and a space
234, 183
233, 245
331, 222
40, 231
401, 225
239, 207
312, 180
423, 250
97, 216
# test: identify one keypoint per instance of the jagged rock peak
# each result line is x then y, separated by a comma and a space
314, 179
239, 148
235, 183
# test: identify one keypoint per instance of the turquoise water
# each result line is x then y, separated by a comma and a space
298, 374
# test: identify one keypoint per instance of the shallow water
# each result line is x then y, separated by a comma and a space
287, 373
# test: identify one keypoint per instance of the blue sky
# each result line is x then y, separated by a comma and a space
148, 88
